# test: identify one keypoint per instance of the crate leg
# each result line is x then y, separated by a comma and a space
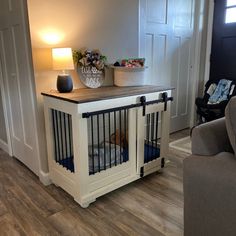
85, 204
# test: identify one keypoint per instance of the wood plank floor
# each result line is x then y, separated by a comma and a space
150, 206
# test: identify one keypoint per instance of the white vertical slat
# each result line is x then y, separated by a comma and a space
81, 157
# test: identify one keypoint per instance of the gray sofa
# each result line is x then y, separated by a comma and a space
210, 178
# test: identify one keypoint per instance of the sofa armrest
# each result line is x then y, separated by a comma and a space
210, 195
230, 117
210, 138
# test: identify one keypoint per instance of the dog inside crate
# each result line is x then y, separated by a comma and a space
108, 140
108, 154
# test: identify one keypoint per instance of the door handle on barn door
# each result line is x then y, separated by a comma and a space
143, 101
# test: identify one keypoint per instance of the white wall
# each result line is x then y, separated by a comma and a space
109, 25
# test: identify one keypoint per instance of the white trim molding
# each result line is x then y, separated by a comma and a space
44, 178
198, 27
209, 39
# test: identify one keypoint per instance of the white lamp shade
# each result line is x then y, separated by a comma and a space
62, 59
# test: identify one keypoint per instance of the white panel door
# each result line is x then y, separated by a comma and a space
166, 28
17, 77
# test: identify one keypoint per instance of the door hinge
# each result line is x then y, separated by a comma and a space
141, 171
162, 162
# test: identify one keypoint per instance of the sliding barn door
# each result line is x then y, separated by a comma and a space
18, 81
166, 28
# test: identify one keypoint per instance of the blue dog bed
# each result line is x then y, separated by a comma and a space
150, 153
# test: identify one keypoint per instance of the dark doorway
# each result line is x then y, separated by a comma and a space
223, 51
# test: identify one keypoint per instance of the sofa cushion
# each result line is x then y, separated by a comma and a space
230, 116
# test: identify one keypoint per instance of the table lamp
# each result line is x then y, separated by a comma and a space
62, 60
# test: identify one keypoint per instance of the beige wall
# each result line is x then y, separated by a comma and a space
109, 25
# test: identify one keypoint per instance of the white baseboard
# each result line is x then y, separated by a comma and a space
44, 178
4, 146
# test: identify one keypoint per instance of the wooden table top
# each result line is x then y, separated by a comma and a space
84, 95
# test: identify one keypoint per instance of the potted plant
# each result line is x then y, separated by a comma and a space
90, 66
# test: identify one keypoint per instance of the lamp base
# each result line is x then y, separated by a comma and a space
64, 83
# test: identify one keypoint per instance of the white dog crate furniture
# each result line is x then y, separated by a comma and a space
101, 139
